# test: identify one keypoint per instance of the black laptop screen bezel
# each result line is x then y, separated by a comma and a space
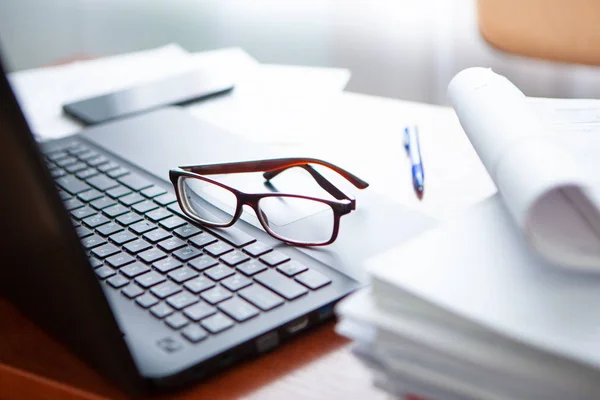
49, 278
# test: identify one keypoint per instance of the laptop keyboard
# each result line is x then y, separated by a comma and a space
198, 283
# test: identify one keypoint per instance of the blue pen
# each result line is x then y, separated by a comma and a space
411, 144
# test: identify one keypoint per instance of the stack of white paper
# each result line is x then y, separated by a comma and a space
469, 312
501, 302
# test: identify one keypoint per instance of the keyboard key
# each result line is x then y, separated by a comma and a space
147, 300
234, 236
165, 199
217, 323
94, 162
234, 258
217, 249
156, 235
172, 223
202, 263
177, 321
313, 279
186, 231
135, 269
199, 311
90, 195
158, 214
65, 161
118, 281
83, 232
145, 206
87, 173
251, 267
109, 229
132, 291
57, 173
199, 284
119, 260
95, 220
150, 279
291, 268
88, 155
63, 195
102, 182
106, 250
172, 244
182, 300
108, 166
118, 172
153, 191
137, 245
122, 237
72, 185
202, 239
142, 227
72, 204
182, 274
132, 199
92, 241
236, 282
261, 297
82, 212
274, 258
77, 148
104, 272
73, 168
135, 182
165, 289
238, 309
280, 284
216, 295
194, 333
118, 192
115, 211
152, 255
129, 218
219, 272
55, 155
95, 263
103, 202
167, 265
175, 209
186, 253
257, 249
161, 310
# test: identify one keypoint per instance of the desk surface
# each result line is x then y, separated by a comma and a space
317, 364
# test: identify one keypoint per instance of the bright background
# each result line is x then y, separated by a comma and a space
407, 49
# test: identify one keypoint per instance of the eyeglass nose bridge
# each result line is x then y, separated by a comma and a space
250, 200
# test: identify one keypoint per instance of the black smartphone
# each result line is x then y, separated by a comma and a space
174, 90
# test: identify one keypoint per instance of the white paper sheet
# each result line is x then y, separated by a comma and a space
42, 92
549, 186
277, 104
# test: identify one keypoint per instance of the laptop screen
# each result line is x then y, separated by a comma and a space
45, 272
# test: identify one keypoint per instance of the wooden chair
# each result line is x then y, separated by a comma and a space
556, 30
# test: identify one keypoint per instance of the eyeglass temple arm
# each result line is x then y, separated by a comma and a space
321, 180
278, 164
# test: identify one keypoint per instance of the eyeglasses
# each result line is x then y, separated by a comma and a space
215, 204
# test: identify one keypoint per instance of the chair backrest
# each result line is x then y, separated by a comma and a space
557, 30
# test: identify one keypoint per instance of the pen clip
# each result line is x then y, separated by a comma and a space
406, 140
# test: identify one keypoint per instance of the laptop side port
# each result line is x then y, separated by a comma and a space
296, 325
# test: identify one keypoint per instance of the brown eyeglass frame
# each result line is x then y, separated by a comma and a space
271, 168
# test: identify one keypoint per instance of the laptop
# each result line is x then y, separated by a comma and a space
105, 261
